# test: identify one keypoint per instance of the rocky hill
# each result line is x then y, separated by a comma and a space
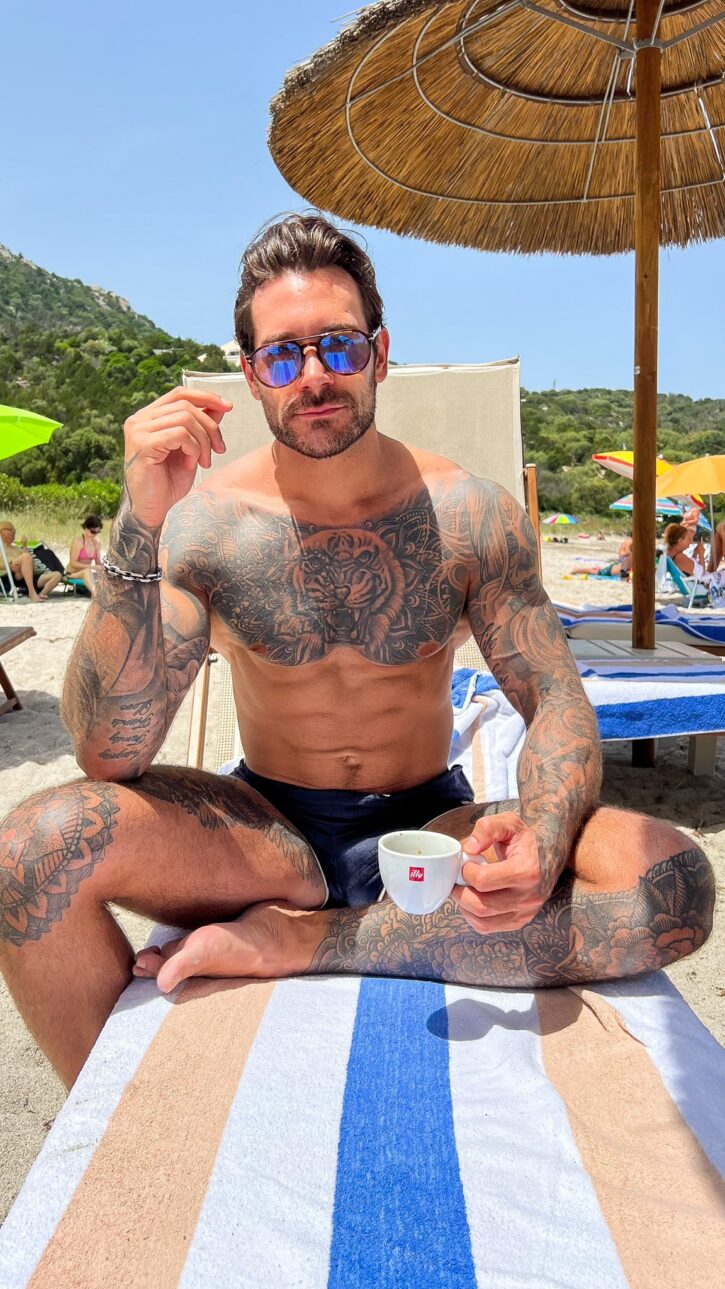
32, 296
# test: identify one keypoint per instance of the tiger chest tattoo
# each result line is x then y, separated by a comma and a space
394, 588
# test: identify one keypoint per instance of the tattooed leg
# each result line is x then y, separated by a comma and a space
638, 896
179, 846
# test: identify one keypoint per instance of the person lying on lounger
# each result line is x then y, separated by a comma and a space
619, 567
337, 570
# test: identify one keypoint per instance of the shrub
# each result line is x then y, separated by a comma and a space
12, 493
61, 501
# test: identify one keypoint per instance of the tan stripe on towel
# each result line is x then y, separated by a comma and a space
131, 1220
478, 767
663, 1201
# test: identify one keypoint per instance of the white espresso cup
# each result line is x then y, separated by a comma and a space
420, 868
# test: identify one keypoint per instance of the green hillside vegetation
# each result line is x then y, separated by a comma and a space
82, 356
562, 428
30, 295
91, 380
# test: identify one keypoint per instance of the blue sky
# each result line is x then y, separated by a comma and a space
137, 159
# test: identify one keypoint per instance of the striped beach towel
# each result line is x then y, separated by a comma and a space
347, 1133
488, 732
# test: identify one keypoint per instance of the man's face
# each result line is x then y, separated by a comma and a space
320, 414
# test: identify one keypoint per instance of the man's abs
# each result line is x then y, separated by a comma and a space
344, 722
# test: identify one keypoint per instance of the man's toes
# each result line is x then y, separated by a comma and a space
150, 960
203, 952
186, 961
147, 962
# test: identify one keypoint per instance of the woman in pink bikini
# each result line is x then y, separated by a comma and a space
84, 558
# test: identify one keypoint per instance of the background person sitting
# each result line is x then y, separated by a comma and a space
625, 556
676, 539
695, 549
30, 574
84, 558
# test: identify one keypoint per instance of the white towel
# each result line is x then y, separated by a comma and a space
488, 734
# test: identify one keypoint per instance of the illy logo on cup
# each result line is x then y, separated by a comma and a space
416, 874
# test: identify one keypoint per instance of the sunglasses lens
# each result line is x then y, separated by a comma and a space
278, 365
345, 352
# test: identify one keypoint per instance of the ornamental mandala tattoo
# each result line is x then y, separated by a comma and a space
573, 939
37, 885
54, 841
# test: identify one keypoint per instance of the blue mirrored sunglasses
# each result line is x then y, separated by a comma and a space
343, 353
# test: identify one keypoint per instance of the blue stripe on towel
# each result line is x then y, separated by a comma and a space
665, 717
609, 671
400, 1214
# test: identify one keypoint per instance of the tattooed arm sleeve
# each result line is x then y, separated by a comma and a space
138, 651
521, 638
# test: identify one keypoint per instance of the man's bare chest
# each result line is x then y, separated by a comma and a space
393, 588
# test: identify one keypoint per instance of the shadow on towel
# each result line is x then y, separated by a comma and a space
466, 1020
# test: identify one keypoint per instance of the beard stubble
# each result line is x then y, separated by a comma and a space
324, 442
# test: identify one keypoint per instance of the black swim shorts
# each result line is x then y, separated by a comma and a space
343, 827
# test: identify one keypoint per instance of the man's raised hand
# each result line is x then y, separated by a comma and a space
164, 444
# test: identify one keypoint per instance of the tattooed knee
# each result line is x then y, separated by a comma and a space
49, 845
696, 874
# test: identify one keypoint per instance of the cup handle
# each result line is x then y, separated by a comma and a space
477, 859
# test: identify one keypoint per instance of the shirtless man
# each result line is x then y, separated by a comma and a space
337, 570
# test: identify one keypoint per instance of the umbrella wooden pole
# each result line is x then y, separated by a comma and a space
647, 244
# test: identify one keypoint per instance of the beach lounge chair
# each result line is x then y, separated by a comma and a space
691, 588
7, 581
10, 638
74, 585
672, 691
705, 631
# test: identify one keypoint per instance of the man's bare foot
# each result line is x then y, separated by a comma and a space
267, 942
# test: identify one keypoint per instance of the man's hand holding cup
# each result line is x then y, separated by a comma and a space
506, 890
493, 875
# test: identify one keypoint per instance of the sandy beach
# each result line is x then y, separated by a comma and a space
35, 754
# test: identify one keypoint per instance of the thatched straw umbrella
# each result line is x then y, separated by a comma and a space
526, 125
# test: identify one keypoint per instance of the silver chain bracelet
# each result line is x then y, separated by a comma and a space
114, 571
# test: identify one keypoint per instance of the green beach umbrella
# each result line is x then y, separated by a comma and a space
21, 430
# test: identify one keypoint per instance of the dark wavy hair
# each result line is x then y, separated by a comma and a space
302, 242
